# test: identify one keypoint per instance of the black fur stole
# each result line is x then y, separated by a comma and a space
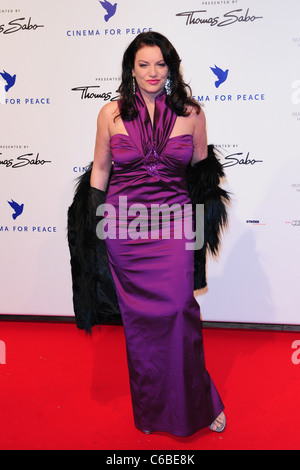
203, 183
94, 293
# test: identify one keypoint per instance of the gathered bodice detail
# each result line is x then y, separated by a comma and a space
146, 160
150, 139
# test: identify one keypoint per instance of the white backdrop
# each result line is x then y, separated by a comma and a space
60, 62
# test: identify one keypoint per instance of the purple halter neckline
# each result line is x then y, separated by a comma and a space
151, 139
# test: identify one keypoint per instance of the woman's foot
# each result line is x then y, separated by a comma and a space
219, 423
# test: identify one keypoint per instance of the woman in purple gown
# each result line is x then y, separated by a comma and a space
151, 134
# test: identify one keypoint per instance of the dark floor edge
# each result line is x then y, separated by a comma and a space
251, 326
205, 324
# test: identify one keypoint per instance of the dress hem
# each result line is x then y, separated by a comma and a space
151, 430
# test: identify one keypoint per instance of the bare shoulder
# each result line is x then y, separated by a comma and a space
197, 117
109, 111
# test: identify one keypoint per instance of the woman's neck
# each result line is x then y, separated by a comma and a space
149, 99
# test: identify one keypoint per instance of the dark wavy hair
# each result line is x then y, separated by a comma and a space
181, 94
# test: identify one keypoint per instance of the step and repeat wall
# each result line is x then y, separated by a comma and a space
60, 62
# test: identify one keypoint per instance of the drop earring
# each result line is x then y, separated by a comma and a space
168, 86
133, 84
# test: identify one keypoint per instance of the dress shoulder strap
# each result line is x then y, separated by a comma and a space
142, 132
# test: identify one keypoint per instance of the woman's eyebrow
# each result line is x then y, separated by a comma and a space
146, 62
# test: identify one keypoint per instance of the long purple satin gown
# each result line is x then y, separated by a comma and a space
171, 389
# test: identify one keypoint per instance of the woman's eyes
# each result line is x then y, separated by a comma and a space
161, 64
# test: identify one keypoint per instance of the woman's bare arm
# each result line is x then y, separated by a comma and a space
102, 156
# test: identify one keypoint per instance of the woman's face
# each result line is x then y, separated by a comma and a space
150, 70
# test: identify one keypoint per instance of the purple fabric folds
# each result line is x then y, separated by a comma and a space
170, 386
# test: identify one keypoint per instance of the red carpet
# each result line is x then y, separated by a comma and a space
60, 389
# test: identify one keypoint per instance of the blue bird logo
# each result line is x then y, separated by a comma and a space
220, 74
110, 9
18, 208
10, 79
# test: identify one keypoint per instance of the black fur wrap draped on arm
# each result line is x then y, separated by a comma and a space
94, 293
203, 183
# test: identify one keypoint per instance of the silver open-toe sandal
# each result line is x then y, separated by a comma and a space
217, 422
